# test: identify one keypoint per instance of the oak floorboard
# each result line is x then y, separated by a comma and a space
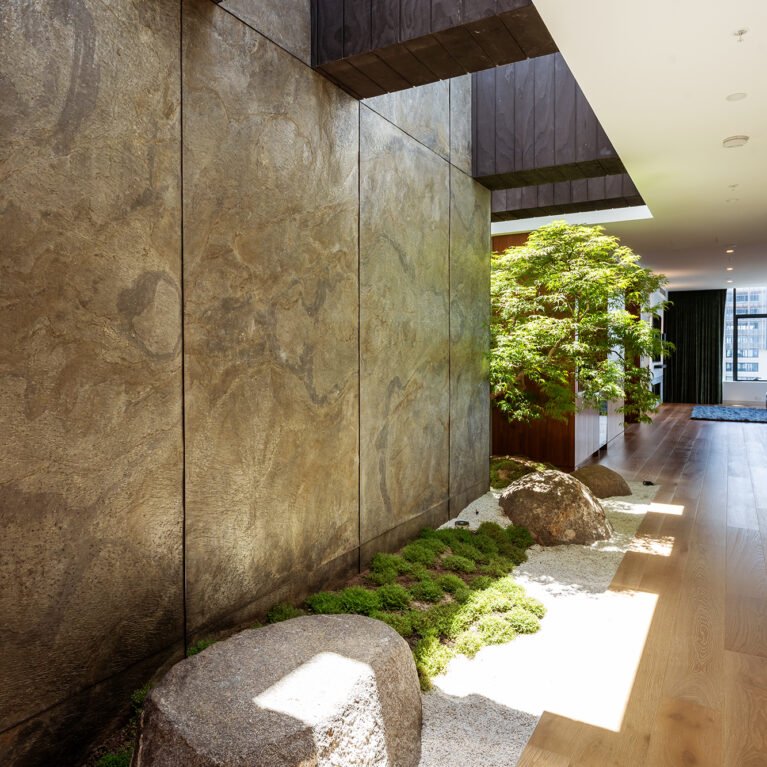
696, 644
745, 615
745, 720
685, 733
538, 757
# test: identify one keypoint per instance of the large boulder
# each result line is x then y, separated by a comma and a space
316, 691
555, 508
603, 482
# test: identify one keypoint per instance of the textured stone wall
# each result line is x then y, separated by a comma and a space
404, 323
331, 267
270, 269
90, 364
469, 322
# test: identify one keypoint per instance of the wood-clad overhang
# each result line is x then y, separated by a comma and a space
600, 193
371, 47
539, 146
533, 125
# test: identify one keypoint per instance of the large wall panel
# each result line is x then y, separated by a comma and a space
460, 122
286, 22
90, 362
469, 340
404, 285
422, 112
270, 269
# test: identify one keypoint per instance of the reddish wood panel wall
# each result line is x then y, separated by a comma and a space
541, 440
503, 242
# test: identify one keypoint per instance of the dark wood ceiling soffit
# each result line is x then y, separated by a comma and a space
532, 125
370, 47
599, 193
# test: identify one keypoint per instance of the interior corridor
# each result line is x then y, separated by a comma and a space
700, 692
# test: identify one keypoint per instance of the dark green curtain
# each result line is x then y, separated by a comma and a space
694, 323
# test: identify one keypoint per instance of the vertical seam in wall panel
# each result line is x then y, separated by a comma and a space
495, 123
183, 356
359, 335
449, 286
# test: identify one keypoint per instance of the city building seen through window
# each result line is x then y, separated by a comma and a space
745, 335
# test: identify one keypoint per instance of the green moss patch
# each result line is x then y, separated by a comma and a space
505, 469
449, 592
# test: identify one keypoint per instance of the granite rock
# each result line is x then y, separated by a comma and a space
316, 691
555, 508
603, 482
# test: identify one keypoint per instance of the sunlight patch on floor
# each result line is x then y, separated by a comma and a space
581, 665
659, 545
666, 508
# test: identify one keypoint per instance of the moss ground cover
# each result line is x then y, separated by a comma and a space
449, 592
506, 469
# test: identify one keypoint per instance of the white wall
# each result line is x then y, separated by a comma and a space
586, 435
751, 392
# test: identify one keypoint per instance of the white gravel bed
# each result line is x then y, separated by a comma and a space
483, 710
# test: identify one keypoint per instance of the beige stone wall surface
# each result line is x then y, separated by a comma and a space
404, 283
422, 112
316, 308
270, 269
285, 22
460, 122
90, 359
469, 340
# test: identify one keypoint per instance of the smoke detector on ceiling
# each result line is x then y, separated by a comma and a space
735, 141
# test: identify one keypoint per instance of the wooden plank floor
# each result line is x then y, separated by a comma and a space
700, 692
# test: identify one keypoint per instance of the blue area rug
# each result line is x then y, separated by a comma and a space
720, 413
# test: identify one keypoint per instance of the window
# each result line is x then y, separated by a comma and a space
745, 335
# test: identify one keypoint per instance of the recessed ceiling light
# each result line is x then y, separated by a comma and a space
729, 280
730, 268
736, 96
730, 250
731, 142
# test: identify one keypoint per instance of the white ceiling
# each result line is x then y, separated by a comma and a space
657, 74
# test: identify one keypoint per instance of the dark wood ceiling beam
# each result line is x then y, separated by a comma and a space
532, 125
380, 46
602, 193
